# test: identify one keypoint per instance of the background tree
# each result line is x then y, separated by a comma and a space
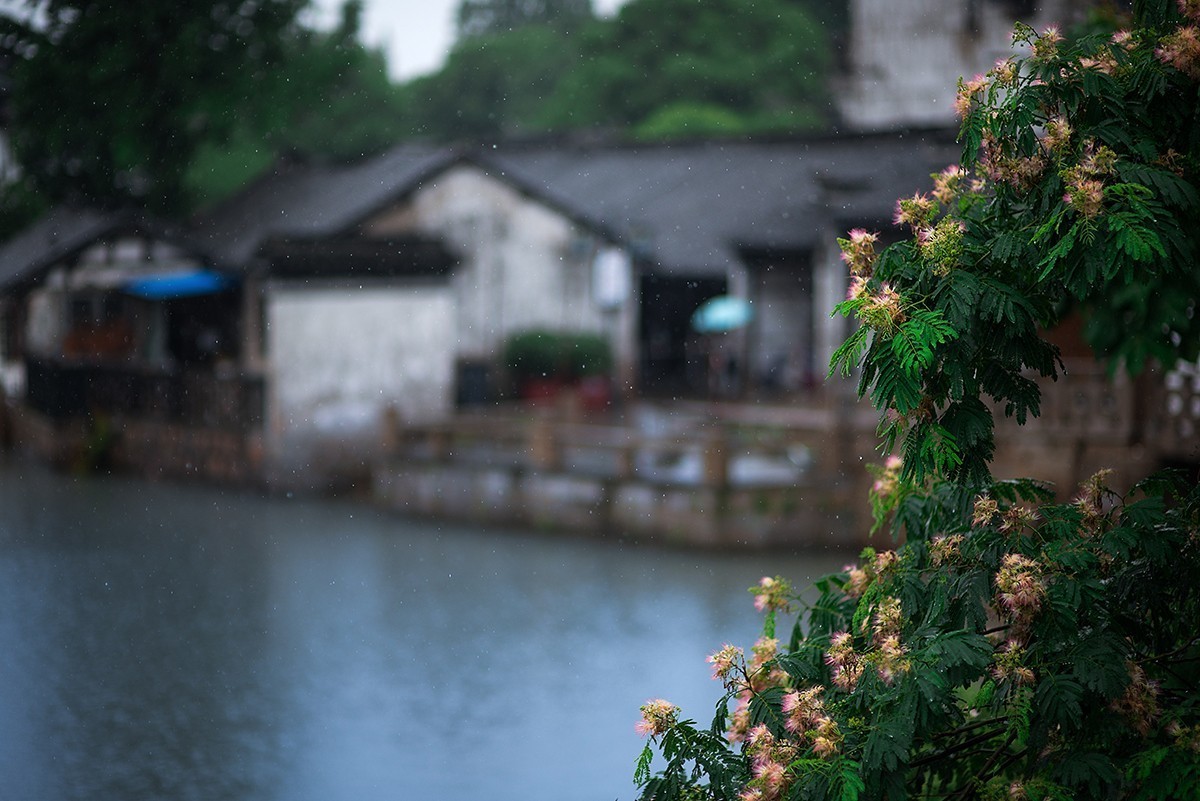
492, 85
176, 110
765, 62
480, 17
329, 98
1012, 647
109, 103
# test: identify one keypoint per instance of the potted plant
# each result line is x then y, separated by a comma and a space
545, 363
534, 359
589, 360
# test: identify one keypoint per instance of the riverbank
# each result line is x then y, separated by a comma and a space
700, 476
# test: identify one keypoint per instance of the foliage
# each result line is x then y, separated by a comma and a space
539, 353
200, 129
764, 61
1012, 647
331, 99
492, 85
1076, 193
690, 119
660, 68
99, 115
479, 17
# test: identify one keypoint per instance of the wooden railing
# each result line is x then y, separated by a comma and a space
1086, 403
1174, 428
194, 397
713, 453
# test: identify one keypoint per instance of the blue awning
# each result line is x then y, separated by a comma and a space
178, 285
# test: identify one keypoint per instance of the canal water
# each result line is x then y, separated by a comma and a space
167, 642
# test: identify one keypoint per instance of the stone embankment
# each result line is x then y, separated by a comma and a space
687, 478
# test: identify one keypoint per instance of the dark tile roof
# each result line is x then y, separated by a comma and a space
309, 201
689, 208
696, 204
67, 230
56, 236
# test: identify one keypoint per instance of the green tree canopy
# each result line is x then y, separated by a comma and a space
110, 102
767, 62
176, 110
329, 98
480, 17
492, 85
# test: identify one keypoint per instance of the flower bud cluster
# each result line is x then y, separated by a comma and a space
859, 251
804, 715
846, 666
875, 566
944, 549
1090, 502
882, 310
761, 674
772, 594
1184, 736
969, 93
1016, 518
657, 717
985, 511
890, 657
1005, 72
726, 663
1010, 665
1019, 172
1103, 61
1045, 47
1057, 137
1085, 181
942, 245
764, 672
769, 760
1139, 703
947, 184
1181, 50
1021, 586
917, 211
887, 480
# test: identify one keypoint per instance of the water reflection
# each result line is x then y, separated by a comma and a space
179, 643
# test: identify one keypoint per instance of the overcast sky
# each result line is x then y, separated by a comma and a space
415, 33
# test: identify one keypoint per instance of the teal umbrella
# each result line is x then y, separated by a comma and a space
722, 313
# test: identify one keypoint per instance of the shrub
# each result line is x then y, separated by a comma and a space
557, 354
1012, 647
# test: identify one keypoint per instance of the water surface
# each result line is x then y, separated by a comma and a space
167, 642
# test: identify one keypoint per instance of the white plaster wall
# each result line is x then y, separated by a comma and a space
785, 344
46, 323
830, 282
339, 357
906, 56
523, 264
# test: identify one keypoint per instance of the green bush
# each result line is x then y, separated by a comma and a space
567, 355
587, 355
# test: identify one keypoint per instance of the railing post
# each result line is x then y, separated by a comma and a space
544, 451
625, 459
716, 461
441, 442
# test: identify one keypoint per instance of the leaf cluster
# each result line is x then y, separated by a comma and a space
1078, 195
1089, 693
1013, 646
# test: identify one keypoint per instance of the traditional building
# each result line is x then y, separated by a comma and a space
390, 286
